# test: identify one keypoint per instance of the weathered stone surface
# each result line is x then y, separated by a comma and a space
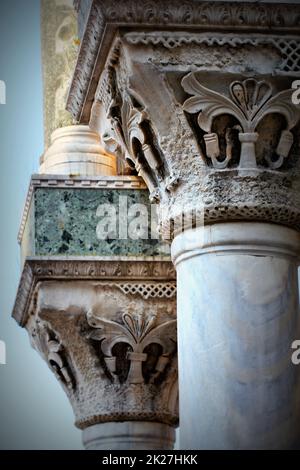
138, 269
105, 17
107, 329
181, 168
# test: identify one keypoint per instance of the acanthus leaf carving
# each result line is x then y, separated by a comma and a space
287, 46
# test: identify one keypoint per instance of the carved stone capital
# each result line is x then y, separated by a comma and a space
109, 335
209, 151
207, 118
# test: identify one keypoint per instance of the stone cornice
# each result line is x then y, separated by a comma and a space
106, 16
114, 269
90, 182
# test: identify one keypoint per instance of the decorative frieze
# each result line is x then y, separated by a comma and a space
135, 276
287, 46
148, 290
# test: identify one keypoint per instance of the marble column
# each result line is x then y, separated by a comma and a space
238, 314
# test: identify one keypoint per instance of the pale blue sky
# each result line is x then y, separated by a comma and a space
34, 411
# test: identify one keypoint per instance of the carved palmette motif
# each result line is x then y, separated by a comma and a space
136, 351
249, 103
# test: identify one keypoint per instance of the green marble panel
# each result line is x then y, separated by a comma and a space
65, 223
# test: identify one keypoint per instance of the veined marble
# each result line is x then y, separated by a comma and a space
64, 222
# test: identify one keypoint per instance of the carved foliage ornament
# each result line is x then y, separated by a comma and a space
50, 346
147, 348
133, 132
249, 103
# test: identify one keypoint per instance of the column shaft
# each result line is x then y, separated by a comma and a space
238, 314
